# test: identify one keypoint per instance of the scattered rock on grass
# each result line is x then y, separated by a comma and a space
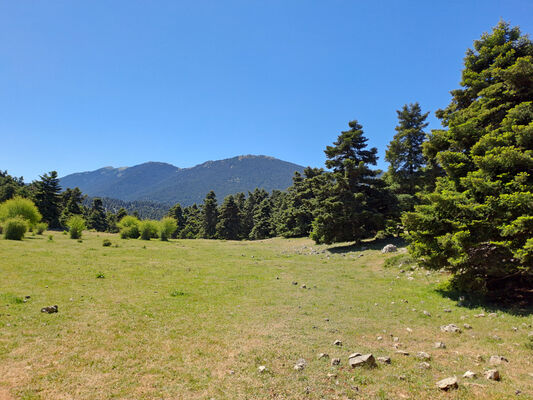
497, 360
469, 375
439, 345
335, 361
337, 342
448, 383
323, 355
261, 369
390, 248
49, 309
424, 365
384, 360
300, 365
402, 352
450, 328
467, 326
422, 355
426, 313
364, 360
492, 374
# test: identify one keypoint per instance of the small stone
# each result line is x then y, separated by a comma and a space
384, 360
439, 345
492, 374
335, 361
231, 372
332, 375
262, 369
337, 343
469, 375
493, 314
514, 328
426, 313
447, 310
409, 330
379, 338
49, 309
497, 360
295, 283
299, 366
27, 297
479, 315
448, 383
467, 326
323, 355
365, 360
421, 355
402, 352
304, 286
450, 328
424, 365
390, 248
395, 339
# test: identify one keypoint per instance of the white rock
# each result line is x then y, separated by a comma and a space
337, 343
448, 383
262, 368
497, 360
422, 355
450, 328
492, 374
390, 248
439, 345
469, 375
365, 360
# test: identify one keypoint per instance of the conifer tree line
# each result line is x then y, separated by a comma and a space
462, 195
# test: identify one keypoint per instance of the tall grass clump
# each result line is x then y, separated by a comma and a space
14, 228
148, 229
19, 207
167, 226
129, 227
40, 227
76, 226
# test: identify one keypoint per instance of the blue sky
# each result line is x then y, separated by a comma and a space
87, 84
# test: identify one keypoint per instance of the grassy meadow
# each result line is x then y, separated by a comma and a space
195, 319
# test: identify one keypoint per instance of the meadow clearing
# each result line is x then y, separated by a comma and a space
196, 319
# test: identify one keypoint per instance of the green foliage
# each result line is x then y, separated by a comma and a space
262, 221
354, 203
14, 228
46, 193
148, 229
229, 226
97, 217
11, 187
191, 229
40, 227
167, 227
106, 243
71, 203
22, 208
209, 216
478, 221
129, 227
176, 212
76, 226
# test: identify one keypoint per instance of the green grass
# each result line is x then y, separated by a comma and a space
194, 319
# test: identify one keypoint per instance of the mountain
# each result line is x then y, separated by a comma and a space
165, 183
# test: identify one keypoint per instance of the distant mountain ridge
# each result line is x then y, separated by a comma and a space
166, 183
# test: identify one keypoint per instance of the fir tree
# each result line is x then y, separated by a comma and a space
176, 212
228, 226
209, 216
97, 217
262, 220
46, 196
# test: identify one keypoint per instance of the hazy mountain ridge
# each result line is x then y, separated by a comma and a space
166, 183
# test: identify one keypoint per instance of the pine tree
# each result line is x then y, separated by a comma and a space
46, 196
355, 203
228, 226
176, 212
191, 230
97, 217
406, 174
478, 223
121, 213
71, 204
262, 220
209, 216
250, 206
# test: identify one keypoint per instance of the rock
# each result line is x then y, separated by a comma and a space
332, 375
450, 328
421, 355
514, 328
479, 315
497, 360
295, 283
262, 368
337, 343
409, 330
390, 248
49, 309
467, 326
402, 352
424, 365
379, 338
447, 310
300, 365
395, 339
492, 374
426, 313
469, 375
439, 345
384, 360
448, 383
493, 314
335, 361
364, 360
323, 355
304, 286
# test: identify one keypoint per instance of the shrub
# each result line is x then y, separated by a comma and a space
167, 226
148, 229
106, 243
50, 237
129, 227
20, 207
76, 225
15, 228
40, 227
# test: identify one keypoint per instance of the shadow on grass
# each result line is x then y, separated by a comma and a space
374, 244
517, 302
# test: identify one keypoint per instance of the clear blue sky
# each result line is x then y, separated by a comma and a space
87, 84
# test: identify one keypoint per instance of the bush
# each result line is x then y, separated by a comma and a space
15, 228
167, 226
76, 225
129, 227
106, 243
20, 207
40, 227
148, 229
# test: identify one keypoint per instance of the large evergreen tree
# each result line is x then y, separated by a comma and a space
228, 225
47, 199
97, 218
71, 204
478, 223
355, 203
406, 171
262, 220
209, 216
176, 212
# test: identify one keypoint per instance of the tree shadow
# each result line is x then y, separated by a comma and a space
517, 302
373, 244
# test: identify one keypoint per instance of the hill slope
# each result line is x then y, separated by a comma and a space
165, 183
